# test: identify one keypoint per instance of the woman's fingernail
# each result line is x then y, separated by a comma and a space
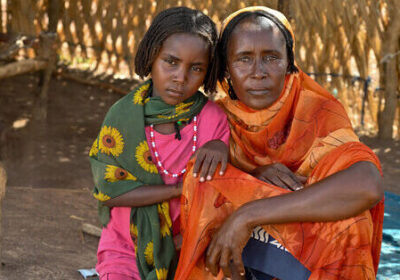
207, 269
209, 177
241, 273
221, 173
195, 175
202, 179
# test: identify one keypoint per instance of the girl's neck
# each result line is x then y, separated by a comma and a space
167, 128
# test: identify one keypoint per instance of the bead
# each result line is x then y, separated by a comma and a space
153, 145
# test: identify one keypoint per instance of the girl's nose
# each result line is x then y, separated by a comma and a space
180, 75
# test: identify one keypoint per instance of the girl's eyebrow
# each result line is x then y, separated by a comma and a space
179, 60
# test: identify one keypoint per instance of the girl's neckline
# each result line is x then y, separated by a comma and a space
171, 135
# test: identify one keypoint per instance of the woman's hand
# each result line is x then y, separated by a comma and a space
208, 157
225, 249
279, 175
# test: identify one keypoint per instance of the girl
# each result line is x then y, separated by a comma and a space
146, 140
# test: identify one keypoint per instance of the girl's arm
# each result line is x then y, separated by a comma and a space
342, 195
146, 195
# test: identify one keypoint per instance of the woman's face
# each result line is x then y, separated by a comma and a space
180, 67
257, 62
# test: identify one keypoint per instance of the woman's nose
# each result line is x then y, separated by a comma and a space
259, 69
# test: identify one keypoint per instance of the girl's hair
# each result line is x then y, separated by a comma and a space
219, 65
172, 21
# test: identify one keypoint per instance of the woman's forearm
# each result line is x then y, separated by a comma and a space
340, 196
146, 195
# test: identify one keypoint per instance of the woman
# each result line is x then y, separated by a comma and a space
286, 131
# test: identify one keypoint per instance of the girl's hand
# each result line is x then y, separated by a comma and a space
279, 175
208, 157
225, 249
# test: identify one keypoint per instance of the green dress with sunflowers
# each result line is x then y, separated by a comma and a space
120, 163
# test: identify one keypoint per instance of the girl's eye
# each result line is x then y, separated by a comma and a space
197, 69
170, 61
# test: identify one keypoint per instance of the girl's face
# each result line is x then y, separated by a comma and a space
180, 67
257, 62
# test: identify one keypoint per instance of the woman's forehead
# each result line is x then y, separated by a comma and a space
257, 25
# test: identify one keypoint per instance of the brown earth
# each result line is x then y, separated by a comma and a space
49, 186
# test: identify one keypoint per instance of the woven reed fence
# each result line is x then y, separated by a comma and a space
352, 40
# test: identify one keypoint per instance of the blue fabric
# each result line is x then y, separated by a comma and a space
389, 265
267, 260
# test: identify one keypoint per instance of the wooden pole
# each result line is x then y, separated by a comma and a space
21, 67
49, 51
390, 75
3, 181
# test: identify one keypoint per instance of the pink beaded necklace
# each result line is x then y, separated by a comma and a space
153, 147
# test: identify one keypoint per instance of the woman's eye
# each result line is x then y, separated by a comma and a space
270, 58
244, 59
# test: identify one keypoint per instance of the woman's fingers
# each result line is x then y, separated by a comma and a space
237, 262
212, 257
224, 262
290, 182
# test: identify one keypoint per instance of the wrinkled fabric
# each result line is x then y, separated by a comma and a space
347, 249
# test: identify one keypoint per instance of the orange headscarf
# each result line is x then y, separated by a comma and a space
307, 130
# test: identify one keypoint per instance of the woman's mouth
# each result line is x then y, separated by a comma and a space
258, 91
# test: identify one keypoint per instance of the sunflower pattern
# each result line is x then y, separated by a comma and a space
165, 219
140, 96
94, 150
115, 173
162, 274
144, 158
101, 196
148, 253
134, 234
111, 141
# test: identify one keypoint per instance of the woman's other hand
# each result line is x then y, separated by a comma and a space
208, 157
279, 175
226, 246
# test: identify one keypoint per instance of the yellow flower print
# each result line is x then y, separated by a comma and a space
94, 150
165, 219
101, 196
111, 141
162, 273
140, 95
148, 253
115, 173
143, 157
134, 234
182, 108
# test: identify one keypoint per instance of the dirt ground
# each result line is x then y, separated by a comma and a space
48, 195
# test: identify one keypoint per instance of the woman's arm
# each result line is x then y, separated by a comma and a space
146, 195
342, 195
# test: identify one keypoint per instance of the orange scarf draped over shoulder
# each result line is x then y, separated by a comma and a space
302, 126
